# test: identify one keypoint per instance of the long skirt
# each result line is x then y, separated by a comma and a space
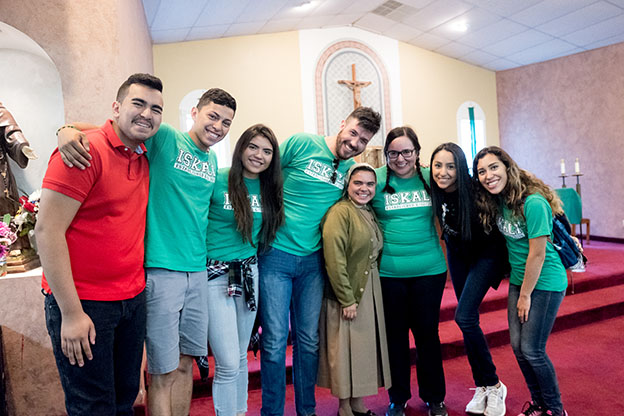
353, 356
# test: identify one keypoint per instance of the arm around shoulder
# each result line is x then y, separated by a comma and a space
73, 144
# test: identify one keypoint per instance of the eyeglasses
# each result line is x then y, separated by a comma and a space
334, 174
393, 154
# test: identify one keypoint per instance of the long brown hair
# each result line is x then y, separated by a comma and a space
271, 189
520, 184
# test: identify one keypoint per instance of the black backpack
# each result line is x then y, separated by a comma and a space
565, 245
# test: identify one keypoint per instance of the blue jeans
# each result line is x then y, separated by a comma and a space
528, 341
290, 286
471, 281
109, 383
229, 328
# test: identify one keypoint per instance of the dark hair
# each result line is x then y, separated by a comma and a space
148, 80
411, 134
217, 96
520, 184
466, 207
367, 118
271, 189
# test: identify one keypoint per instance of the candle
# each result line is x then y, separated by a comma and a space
562, 167
577, 166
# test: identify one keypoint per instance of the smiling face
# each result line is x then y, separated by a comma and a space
138, 115
361, 187
400, 161
492, 173
210, 124
444, 171
257, 157
352, 139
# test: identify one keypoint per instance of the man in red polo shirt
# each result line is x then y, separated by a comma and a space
90, 234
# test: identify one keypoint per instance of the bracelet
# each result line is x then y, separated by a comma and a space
65, 126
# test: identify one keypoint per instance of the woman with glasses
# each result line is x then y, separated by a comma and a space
413, 273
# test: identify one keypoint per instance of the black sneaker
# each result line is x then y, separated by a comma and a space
396, 409
437, 409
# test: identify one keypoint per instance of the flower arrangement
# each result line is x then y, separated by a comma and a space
26, 216
7, 237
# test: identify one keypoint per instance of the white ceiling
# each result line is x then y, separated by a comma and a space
501, 34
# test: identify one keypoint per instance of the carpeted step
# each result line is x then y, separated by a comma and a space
576, 310
496, 299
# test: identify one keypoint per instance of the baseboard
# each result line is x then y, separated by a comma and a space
607, 239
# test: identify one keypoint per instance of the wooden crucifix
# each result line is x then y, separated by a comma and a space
355, 86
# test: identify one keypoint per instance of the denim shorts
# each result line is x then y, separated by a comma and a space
177, 317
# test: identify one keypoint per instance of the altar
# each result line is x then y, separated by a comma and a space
32, 385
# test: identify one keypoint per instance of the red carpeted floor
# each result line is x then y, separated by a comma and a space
589, 361
587, 349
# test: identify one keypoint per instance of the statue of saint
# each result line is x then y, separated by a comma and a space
13, 144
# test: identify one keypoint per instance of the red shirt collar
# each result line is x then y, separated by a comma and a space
113, 139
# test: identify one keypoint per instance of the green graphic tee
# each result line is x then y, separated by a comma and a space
182, 177
307, 166
223, 241
517, 233
411, 243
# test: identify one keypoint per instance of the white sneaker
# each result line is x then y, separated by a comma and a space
496, 400
477, 404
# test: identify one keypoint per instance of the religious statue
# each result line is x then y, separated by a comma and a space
13, 144
355, 86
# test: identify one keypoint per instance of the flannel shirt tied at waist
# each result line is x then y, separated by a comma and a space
240, 277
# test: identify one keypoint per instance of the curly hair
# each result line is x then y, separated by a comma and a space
520, 184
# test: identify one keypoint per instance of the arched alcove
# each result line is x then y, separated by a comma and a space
335, 101
30, 88
221, 149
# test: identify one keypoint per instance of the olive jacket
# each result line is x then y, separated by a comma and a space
347, 247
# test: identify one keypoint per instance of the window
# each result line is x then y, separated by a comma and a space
470, 114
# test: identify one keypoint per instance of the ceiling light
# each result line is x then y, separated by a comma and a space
460, 26
304, 5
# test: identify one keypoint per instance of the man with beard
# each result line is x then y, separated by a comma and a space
291, 270
90, 231
182, 176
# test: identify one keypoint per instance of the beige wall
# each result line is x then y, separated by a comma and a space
434, 86
566, 108
95, 46
261, 72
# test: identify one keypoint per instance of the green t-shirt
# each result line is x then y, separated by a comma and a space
181, 180
223, 241
308, 191
518, 231
411, 243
